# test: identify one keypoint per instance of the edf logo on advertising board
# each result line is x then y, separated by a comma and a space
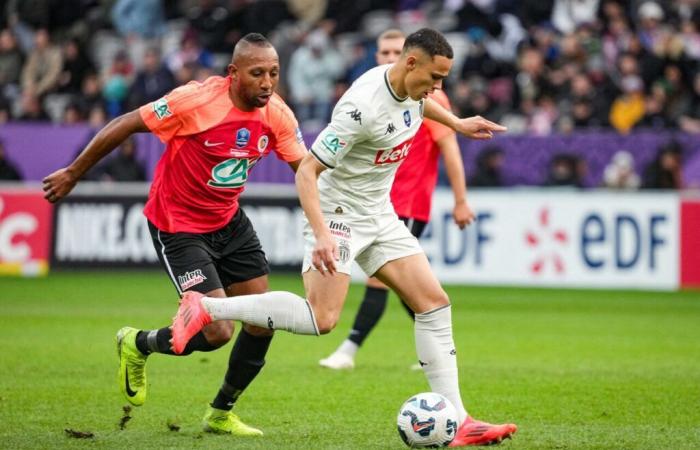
558, 238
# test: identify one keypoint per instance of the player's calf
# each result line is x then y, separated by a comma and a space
219, 333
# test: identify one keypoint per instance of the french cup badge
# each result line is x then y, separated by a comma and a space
242, 137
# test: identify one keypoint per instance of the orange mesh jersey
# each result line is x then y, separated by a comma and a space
211, 148
415, 180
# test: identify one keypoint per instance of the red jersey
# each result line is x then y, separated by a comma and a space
211, 148
415, 180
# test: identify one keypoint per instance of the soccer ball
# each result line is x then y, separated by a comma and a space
427, 420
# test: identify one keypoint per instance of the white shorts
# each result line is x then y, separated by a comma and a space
371, 241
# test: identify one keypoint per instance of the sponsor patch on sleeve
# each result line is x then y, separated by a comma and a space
161, 109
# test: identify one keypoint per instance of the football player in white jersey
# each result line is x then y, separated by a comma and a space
344, 184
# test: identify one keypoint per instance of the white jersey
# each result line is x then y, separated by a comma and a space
369, 135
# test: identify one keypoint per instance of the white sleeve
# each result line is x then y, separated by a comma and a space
348, 127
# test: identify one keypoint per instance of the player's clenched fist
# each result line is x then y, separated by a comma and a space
58, 185
325, 254
478, 128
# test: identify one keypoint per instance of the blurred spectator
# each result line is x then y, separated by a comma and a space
489, 164
139, 18
10, 62
123, 166
218, 26
569, 14
151, 83
666, 171
76, 65
189, 52
73, 114
26, 16
619, 173
31, 108
628, 108
313, 70
563, 171
689, 120
43, 67
655, 110
97, 117
116, 84
8, 171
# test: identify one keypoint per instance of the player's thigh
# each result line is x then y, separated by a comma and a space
413, 280
256, 285
326, 294
187, 260
375, 283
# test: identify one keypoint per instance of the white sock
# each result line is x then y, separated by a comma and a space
436, 352
276, 310
348, 347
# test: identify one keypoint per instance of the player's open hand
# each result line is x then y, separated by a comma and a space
58, 185
463, 214
478, 128
325, 254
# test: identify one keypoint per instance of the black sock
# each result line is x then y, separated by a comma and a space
408, 310
368, 315
246, 360
158, 341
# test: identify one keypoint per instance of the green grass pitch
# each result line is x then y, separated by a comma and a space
574, 369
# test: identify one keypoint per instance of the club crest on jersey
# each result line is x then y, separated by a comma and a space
242, 137
407, 118
262, 143
394, 155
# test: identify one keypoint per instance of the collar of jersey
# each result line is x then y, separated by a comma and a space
391, 90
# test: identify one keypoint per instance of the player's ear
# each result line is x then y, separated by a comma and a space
232, 71
411, 62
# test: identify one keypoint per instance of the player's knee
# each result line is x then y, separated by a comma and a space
326, 323
219, 333
436, 300
257, 331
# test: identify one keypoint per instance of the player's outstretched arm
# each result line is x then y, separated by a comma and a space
472, 127
325, 252
449, 148
61, 182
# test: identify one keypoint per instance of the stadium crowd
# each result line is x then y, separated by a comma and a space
537, 66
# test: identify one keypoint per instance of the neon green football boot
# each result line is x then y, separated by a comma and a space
226, 422
132, 367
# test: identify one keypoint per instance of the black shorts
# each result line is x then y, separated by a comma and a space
207, 261
416, 227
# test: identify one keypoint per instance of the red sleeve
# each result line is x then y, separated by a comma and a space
188, 109
437, 130
290, 142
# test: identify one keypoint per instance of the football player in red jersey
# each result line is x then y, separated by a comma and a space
215, 132
411, 196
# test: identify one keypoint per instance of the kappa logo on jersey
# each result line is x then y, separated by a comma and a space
395, 154
161, 109
407, 118
355, 115
262, 143
333, 143
242, 137
390, 128
189, 279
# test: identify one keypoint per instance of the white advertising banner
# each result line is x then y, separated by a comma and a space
558, 238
